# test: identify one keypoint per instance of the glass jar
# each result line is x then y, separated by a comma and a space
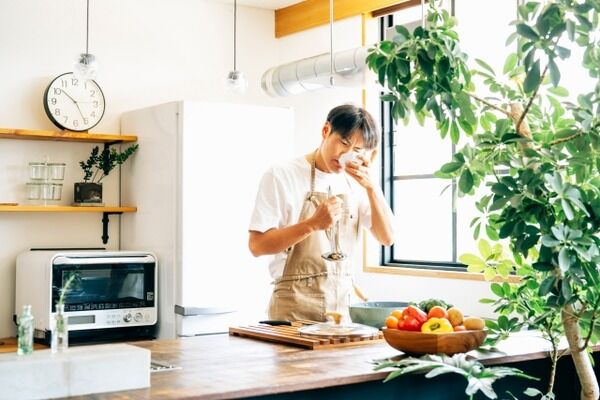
56, 191
38, 171
56, 171
46, 191
60, 330
34, 190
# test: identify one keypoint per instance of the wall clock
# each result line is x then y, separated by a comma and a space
73, 103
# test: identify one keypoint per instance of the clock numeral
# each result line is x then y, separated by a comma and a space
75, 123
57, 111
74, 81
86, 121
57, 91
66, 119
95, 103
92, 93
63, 83
93, 114
53, 101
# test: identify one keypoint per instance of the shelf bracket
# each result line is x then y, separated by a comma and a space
105, 215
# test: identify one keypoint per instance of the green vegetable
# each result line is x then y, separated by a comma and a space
428, 304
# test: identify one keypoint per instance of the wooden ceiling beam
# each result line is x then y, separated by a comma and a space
311, 13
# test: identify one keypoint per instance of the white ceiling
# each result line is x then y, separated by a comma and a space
268, 4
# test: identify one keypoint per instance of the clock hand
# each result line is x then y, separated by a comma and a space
76, 104
72, 99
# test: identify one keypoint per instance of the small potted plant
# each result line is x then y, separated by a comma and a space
98, 166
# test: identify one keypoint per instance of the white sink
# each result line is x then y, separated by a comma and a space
80, 370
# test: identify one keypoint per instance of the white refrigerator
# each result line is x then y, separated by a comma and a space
194, 180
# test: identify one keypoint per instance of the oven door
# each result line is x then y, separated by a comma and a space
105, 291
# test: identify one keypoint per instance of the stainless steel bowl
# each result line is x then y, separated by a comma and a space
374, 313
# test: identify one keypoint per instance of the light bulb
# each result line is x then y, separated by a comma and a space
236, 82
86, 66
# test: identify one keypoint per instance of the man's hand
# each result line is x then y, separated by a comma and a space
359, 169
327, 213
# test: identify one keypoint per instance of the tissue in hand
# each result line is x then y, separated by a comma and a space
348, 157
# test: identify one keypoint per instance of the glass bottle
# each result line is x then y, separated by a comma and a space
25, 332
60, 330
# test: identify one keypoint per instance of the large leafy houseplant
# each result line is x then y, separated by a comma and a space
533, 153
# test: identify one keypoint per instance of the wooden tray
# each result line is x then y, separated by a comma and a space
289, 335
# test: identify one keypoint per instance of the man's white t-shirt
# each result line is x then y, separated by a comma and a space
282, 191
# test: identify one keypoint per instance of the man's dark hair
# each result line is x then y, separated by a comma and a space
347, 119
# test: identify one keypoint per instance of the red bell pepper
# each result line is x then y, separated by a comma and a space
412, 319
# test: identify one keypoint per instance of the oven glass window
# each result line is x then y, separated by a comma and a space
104, 286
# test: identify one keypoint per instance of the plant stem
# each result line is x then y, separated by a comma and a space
566, 139
533, 96
592, 322
554, 361
583, 365
491, 105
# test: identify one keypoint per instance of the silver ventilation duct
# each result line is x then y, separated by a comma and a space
313, 73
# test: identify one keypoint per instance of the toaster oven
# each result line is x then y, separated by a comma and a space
112, 295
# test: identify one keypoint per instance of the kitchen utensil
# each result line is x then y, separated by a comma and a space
275, 323
333, 234
289, 335
432, 343
331, 329
359, 293
374, 313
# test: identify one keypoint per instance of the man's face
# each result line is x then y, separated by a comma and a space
334, 146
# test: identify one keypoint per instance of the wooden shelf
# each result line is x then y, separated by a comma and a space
64, 136
29, 208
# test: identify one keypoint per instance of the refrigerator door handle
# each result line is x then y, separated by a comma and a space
191, 311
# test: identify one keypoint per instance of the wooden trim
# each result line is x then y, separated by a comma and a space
64, 136
32, 208
311, 13
425, 273
395, 8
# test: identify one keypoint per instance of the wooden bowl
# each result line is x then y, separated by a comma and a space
432, 343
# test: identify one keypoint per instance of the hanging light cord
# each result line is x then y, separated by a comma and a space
423, 14
87, 27
234, 34
331, 42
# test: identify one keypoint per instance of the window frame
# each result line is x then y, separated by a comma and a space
388, 132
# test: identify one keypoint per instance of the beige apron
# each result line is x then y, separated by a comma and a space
310, 285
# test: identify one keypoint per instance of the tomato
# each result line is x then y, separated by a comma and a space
397, 313
391, 322
437, 312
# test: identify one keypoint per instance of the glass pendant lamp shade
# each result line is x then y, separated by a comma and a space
236, 80
86, 64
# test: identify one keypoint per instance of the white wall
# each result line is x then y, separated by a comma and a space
150, 52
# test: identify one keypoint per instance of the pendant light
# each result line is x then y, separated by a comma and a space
331, 66
86, 66
236, 80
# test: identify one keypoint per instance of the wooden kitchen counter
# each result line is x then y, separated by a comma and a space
223, 367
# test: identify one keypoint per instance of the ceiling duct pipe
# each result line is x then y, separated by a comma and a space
314, 73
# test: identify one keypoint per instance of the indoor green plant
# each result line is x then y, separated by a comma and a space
547, 205
96, 168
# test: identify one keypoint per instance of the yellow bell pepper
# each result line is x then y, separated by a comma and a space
437, 325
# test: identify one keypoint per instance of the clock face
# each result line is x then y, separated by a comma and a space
73, 103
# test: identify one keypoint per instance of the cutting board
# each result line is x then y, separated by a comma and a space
290, 335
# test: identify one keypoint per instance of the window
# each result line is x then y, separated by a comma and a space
432, 223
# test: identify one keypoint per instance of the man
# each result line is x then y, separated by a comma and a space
295, 211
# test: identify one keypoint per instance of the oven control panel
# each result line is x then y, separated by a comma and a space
79, 320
